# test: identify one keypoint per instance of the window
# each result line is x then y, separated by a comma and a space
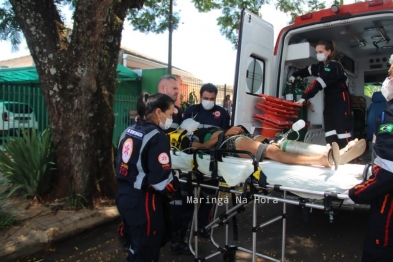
255, 76
370, 88
19, 108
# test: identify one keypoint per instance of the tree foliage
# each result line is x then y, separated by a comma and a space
153, 17
9, 27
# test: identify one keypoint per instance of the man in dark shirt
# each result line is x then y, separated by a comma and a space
207, 113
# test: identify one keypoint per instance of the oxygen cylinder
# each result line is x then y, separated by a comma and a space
300, 148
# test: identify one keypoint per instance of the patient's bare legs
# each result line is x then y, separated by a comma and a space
276, 154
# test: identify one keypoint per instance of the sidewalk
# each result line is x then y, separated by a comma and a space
38, 226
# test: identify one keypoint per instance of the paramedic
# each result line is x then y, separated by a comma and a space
168, 85
207, 112
331, 77
378, 189
145, 179
209, 115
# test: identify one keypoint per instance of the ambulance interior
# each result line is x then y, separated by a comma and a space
365, 45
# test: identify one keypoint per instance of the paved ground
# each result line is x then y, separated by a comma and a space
314, 240
91, 235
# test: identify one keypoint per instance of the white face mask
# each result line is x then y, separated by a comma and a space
207, 104
168, 123
321, 57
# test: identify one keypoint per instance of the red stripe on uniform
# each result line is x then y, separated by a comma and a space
360, 188
384, 203
170, 188
310, 87
147, 213
387, 224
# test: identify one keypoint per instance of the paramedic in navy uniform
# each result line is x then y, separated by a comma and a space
207, 113
168, 85
144, 175
332, 78
378, 189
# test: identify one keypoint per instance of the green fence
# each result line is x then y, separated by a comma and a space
31, 94
124, 110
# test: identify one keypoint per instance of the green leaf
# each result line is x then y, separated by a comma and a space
28, 162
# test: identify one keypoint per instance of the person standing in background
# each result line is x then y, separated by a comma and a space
332, 79
228, 104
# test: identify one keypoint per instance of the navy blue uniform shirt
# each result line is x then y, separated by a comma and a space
215, 117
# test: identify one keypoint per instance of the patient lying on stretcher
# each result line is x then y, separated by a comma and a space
236, 138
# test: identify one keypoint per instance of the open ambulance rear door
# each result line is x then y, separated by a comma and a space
254, 73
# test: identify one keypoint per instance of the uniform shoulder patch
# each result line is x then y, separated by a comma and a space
385, 128
126, 151
163, 158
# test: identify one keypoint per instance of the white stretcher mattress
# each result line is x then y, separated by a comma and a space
313, 178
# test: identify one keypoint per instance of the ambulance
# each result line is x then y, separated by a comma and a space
362, 32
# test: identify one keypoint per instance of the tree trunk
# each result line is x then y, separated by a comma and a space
78, 79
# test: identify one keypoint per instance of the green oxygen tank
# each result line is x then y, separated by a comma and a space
289, 94
298, 89
303, 149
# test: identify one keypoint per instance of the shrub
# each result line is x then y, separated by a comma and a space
6, 220
192, 99
27, 163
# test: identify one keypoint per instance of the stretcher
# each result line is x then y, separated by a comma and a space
249, 179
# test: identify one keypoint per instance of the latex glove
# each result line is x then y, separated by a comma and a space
291, 79
300, 101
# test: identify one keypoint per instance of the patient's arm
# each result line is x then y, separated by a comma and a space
212, 142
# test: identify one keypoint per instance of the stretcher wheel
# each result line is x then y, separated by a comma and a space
230, 253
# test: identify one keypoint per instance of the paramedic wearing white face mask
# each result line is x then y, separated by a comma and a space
378, 189
207, 113
169, 85
145, 178
331, 78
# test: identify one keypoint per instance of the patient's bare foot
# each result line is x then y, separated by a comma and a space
354, 149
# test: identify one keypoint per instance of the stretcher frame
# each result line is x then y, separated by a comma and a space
252, 193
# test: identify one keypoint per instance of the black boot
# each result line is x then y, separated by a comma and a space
178, 245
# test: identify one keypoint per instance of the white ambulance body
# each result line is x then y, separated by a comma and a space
363, 33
